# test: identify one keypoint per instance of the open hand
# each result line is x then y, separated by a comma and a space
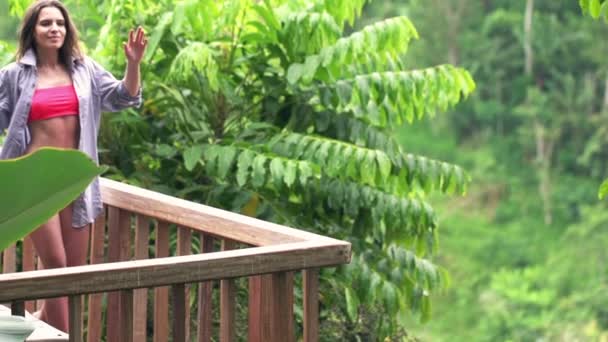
135, 48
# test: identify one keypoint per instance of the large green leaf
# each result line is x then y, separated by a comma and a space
37, 186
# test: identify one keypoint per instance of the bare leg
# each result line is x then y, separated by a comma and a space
75, 239
75, 242
49, 246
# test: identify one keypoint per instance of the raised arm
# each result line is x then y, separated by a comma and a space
135, 49
116, 94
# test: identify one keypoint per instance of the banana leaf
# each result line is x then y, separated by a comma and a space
35, 187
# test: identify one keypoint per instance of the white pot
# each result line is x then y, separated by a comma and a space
15, 328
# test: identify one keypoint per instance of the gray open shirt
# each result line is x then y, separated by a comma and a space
97, 90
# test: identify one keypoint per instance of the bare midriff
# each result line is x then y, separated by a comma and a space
61, 132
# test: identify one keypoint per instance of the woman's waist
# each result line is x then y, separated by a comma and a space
56, 132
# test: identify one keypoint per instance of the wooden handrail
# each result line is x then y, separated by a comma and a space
172, 270
200, 217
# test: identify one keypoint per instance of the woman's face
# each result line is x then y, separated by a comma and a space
50, 29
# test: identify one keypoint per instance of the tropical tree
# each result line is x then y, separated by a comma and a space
271, 109
535, 143
597, 8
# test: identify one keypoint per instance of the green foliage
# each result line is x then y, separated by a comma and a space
515, 277
390, 98
44, 189
603, 189
375, 47
194, 59
280, 107
596, 8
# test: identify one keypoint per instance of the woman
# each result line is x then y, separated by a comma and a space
53, 96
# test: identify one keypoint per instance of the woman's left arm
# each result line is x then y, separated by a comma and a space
116, 95
135, 49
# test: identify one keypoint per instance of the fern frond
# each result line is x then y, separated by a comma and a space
392, 171
422, 271
265, 28
347, 128
342, 10
337, 158
390, 98
256, 170
195, 58
306, 33
405, 218
195, 17
432, 174
390, 36
373, 277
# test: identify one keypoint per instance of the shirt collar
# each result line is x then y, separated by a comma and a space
29, 58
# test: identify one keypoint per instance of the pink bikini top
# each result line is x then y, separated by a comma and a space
53, 102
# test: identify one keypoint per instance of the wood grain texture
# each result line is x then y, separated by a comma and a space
205, 294
227, 302
126, 310
9, 260
271, 316
184, 247
179, 312
168, 271
281, 308
96, 256
310, 284
75, 318
254, 309
140, 296
161, 294
28, 261
207, 219
119, 247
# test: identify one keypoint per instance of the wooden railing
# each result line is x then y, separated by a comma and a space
212, 245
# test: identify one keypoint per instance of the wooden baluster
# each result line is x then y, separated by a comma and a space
227, 302
98, 235
256, 315
311, 304
271, 307
281, 319
180, 307
9, 260
184, 247
126, 310
112, 311
161, 294
119, 246
18, 308
28, 263
205, 292
75, 317
140, 296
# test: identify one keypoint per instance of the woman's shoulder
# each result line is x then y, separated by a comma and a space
11, 67
10, 71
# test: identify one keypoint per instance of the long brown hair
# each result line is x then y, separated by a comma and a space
71, 45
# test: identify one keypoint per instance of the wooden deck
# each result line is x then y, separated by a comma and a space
131, 265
